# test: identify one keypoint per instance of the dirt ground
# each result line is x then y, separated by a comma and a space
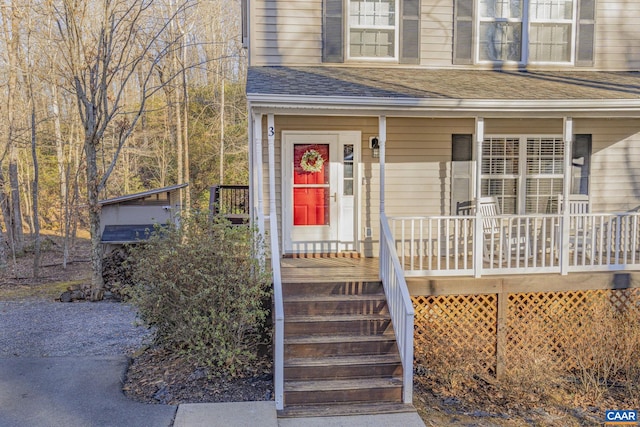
156, 376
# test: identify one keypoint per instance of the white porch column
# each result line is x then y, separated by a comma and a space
566, 190
257, 165
252, 169
278, 366
478, 256
271, 141
382, 140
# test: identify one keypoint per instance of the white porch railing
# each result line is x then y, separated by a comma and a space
400, 305
516, 244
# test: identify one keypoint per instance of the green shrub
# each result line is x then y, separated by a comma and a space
202, 290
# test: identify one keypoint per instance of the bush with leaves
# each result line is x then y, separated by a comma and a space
204, 292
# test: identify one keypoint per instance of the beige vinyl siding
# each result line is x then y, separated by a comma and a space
290, 33
436, 33
418, 161
516, 127
286, 32
618, 34
615, 172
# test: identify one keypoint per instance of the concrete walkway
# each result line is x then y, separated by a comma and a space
263, 414
72, 392
87, 392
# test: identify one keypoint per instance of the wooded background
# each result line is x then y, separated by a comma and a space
102, 98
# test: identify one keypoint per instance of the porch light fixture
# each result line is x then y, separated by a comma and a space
374, 144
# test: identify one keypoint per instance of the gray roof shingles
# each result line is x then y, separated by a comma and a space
415, 83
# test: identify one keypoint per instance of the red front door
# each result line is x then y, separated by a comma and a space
311, 185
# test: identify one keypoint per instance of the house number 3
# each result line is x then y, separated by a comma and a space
272, 131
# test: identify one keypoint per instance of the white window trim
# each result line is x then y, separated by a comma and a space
526, 28
522, 172
396, 37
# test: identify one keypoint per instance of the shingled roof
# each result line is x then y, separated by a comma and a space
412, 83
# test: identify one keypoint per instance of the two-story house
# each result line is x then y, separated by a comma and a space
441, 137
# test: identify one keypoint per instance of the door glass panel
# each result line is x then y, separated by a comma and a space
311, 163
311, 190
347, 161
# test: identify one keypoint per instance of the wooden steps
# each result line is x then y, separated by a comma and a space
341, 355
299, 411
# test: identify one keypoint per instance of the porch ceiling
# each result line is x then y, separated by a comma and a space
467, 90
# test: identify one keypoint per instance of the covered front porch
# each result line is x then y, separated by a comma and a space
408, 169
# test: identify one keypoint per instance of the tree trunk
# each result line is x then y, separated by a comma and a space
222, 131
97, 282
185, 138
62, 175
34, 189
6, 211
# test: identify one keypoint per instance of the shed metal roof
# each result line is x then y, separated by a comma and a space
142, 195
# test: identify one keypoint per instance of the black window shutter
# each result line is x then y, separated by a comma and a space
333, 31
410, 32
461, 170
245, 23
580, 164
463, 32
461, 147
585, 48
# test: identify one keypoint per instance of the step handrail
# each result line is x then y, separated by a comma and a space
278, 308
400, 305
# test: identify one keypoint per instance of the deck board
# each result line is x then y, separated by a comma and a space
309, 270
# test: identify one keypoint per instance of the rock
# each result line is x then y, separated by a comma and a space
481, 414
162, 395
451, 401
76, 295
65, 297
198, 374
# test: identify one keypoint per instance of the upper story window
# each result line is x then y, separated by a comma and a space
505, 34
525, 31
373, 29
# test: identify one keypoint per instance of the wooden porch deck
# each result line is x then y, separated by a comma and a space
318, 270
323, 270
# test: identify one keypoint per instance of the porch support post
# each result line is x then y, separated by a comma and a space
252, 169
257, 164
566, 190
382, 140
478, 236
278, 366
271, 141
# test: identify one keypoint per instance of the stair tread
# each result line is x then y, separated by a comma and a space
349, 384
343, 360
331, 410
336, 317
320, 339
334, 297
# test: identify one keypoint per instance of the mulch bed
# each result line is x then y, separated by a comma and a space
157, 376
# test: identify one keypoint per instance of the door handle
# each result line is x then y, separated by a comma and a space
335, 197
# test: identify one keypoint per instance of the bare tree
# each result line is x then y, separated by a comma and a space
105, 49
10, 197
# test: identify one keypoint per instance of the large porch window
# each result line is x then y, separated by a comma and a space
526, 173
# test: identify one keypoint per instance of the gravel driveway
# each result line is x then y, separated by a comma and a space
40, 328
